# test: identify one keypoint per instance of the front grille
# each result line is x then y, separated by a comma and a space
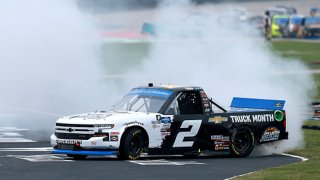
74, 125
73, 136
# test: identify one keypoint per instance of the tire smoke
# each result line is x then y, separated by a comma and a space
49, 64
228, 59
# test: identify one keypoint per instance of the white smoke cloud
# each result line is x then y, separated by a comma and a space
49, 64
226, 60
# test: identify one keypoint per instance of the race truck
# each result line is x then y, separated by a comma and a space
171, 120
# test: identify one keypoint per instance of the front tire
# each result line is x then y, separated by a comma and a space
242, 142
132, 144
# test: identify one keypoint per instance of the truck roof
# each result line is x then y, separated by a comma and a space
172, 87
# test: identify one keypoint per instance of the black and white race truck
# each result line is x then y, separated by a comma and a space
166, 120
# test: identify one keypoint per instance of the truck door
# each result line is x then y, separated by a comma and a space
188, 118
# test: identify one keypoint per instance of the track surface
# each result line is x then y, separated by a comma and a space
35, 162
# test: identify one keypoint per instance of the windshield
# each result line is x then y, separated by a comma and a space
143, 100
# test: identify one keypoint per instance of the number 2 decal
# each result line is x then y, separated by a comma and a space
195, 126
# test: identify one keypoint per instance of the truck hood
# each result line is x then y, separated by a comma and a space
107, 118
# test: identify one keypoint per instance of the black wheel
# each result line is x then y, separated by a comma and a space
78, 157
132, 144
242, 142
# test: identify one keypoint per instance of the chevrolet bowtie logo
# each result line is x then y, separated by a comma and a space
70, 130
218, 119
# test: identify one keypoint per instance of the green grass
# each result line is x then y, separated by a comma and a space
317, 83
302, 170
305, 51
312, 123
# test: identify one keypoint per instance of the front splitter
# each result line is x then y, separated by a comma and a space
83, 152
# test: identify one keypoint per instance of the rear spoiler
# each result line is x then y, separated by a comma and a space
252, 103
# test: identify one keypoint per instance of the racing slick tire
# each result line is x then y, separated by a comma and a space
242, 142
78, 157
132, 144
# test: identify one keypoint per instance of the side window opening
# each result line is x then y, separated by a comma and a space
190, 103
173, 108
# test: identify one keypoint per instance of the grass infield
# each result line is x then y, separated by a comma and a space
307, 51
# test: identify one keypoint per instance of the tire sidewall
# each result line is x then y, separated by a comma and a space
124, 151
242, 153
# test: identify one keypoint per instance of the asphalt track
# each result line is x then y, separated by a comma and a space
32, 160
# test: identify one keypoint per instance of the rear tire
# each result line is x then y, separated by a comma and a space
132, 144
77, 157
242, 142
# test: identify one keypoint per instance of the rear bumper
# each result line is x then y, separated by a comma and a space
285, 135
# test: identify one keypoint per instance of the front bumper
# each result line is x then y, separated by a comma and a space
67, 146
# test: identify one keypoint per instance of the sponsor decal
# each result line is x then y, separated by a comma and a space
188, 88
216, 137
218, 148
206, 105
165, 120
133, 122
220, 137
218, 119
114, 133
166, 126
165, 130
68, 141
154, 122
207, 110
113, 138
221, 146
278, 104
155, 126
165, 133
218, 143
259, 118
151, 92
93, 143
270, 134
263, 118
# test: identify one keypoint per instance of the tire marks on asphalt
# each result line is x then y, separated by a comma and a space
163, 162
13, 134
39, 149
41, 158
